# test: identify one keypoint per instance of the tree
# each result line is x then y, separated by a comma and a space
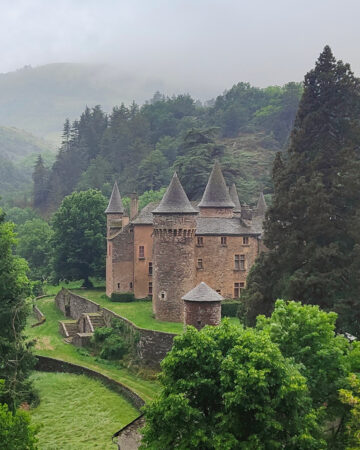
40, 178
351, 397
34, 246
79, 243
224, 388
307, 334
153, 172
310, 229
16, 360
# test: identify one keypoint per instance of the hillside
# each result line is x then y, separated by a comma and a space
16, 144
39, 99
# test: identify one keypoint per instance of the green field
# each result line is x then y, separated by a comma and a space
77, 412
49, 342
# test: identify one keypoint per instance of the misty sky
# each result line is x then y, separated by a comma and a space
201, 46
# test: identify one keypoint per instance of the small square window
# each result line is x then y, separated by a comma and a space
218, 291
200, 263
245, 240
223, 240
141, 252
200, 241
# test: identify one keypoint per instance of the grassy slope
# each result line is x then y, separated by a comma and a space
99, 412
50, 343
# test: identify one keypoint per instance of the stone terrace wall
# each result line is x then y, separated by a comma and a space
73, 305
46, 364
152, 346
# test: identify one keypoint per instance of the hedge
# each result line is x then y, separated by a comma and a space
124, 297
229, 308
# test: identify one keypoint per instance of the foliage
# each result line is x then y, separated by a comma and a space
16, 360
311, 228
351, 397
34, 246
79, 236
40, 178
229, 308
20, 215
122, 297
90, 412
16, 432
224, 388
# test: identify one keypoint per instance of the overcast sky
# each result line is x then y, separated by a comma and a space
198, 45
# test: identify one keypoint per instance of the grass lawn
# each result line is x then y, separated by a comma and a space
50, 343
77, 412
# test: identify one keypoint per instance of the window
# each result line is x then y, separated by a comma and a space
150, 288
245, 240
218, 291
150, 268
141, 252
131, 285
200, 263
162, 295
239, 262
237, 289
118, 285
223, 240
200, 241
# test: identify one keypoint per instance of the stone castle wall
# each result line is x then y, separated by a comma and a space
174, 266
152, 346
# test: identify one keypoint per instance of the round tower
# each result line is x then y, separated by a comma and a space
202, 306
174, 270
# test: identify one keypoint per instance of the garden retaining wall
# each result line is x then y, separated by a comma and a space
152, 345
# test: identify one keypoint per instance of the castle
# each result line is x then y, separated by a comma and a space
169, 248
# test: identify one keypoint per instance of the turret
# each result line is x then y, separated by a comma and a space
173, 252
235, 199
202, 306
216, 201
114, 212
261, 205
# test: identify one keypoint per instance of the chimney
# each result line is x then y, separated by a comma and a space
134, 205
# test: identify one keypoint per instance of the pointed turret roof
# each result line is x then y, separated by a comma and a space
115, 205
202, 293
216, 193
235, 198
175, 200
261, 205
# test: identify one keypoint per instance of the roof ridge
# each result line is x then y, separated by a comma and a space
202, 293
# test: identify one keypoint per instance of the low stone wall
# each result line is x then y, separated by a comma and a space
73, 305
152, 346
47, 364
39, 315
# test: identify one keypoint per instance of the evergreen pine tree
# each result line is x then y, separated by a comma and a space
40, 179
310, 229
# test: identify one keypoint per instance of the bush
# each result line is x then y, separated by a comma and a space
114, 347
124, 297
229, 308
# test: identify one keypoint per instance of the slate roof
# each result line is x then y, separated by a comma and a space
235, 198
216, 193
222, 226
175, 200
145, 216
115, 205
261, 205
203, 293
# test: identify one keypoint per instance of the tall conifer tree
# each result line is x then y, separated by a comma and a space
311, 230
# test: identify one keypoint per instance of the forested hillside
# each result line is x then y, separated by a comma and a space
141, 145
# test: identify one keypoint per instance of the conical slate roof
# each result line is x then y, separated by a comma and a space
216, 193
235, 198
175, 200
115, 205
261, 205
202, 293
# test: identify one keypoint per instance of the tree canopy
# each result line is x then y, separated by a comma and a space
79, 242
311, 228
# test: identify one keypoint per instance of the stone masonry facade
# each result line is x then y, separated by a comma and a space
167, 249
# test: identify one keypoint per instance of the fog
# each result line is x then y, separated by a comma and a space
196, 46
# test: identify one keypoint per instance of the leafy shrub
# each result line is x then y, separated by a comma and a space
124, 297
100, 334
229, 308
114, 347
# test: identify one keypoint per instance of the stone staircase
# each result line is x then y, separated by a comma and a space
97, 320
79, 332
